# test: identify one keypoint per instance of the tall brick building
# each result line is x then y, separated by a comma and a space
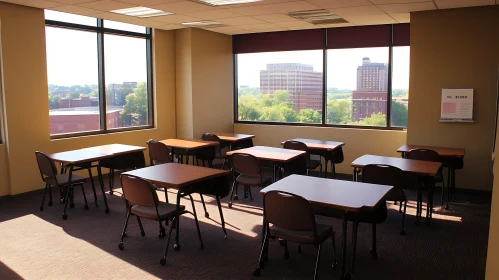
371, 94
300, 80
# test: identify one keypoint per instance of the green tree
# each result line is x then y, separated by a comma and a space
94, 93
272, 114
309, 116
378, 119
248, 108
54, 101
280, 96
288, 112
136, 105
339, 112
399, 114
74, 95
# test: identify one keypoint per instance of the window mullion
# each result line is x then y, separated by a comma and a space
389, 86
102, 80
324, 79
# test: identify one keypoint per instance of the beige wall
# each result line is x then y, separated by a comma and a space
204, 82
26, 105
456, 48
492, 272
358, 142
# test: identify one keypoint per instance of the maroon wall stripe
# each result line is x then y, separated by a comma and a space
311, 39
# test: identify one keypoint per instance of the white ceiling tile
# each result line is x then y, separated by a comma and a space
72, 9
183, 7
117, 17
230, 30
276, 18
142, 2
280, 8
382, 2
370, 19
217, 14
72, 2
407, 8
106, 5
261, 26
330, 4
448, 4
288, 24
175, 19
240, 21
401, 17
358, 11
35, 3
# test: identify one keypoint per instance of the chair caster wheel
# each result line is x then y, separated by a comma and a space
207, 215
256, 271
230, 204
107, 210
142, 233
236, 197
162, 261
50, 203
402, 232
121, 246
335, 265
41, 208
71, 205
64, 216
286, 255
176, 247
86, 207
374, 254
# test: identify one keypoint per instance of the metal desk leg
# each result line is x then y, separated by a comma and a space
343, 273
68, 192
176, 246
101, 182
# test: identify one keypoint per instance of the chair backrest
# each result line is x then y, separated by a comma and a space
158, 152
245, 164
295, 145
288, 211
46, 165
338, 155
214, 138
424, 154
384, 175
138, 191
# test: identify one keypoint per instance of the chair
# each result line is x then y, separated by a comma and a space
86, 165
48, 171
311, 164
159, 153
336, 158
142, 201
428, 155
292, 218
250, 174
218, 150
452, 164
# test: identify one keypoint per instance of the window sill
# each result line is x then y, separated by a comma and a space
324, 125
96, 133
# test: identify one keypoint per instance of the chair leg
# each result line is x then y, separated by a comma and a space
197, 223
249, 191
163, 259
71, 196
93, 186
221, 216
316, 275
354, 244
232, 194
373, 251
84, 196
286, 252
335, 261
142, 232
50, 195
111, 180
263, 252
400, 207
124, 230
402, 231
334, 169
44, 194
162, 231
206, 214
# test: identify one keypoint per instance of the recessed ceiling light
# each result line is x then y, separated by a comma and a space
225, 2
204, 24
142, 12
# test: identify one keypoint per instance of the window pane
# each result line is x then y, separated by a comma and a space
71, 18
124, 26
280, 86
126, 81
357, 86
73, 80
400, 86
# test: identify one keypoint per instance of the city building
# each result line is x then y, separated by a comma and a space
78, 119
300, 80
371, 94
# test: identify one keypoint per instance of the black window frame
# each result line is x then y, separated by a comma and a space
101, 30
324, 123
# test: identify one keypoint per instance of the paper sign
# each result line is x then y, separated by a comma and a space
457, 105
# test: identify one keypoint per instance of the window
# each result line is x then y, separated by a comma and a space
280, 86
350, 76
99, 75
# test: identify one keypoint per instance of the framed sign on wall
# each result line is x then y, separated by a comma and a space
456, 105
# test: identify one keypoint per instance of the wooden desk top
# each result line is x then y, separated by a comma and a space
188, 144
176, 175
442, 151
419, 167
270, 153
117, 149
232, 137
338, 194
79, 156
318, 144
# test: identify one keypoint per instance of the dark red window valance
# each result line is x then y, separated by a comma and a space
311, 39
402, 34
358, 37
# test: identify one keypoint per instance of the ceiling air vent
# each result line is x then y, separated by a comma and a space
318, 17
204, 24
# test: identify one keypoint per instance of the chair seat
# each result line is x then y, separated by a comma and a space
313, 164
166, 211
377, 216
255, 180
303, 237
63, 179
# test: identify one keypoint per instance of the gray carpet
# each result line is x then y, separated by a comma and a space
40, 245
